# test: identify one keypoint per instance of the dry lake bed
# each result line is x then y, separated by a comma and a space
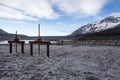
66, 62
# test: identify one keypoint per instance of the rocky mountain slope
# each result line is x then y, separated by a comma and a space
109, 27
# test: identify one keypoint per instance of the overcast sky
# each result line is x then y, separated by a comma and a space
57, 17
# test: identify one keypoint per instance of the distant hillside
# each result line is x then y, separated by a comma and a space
7, 36
2, 32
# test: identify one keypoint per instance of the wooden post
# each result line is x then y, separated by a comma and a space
47, 50
10, 48
31, 49
22, 47
16, 35
39, 39
39, 48
16, 47
16, 42
38, 29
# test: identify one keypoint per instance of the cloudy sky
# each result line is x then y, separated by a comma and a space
57, 17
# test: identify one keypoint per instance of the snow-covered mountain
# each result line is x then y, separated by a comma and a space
107, 23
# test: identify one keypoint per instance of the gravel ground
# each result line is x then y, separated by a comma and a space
66, 62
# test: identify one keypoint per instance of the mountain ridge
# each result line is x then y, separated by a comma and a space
104, 25
7, 36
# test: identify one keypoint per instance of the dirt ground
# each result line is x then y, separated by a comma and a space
66, 62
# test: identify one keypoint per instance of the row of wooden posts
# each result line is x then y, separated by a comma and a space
31, 46
38, 42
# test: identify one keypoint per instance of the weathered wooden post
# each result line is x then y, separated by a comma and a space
16, 38
10, 47
39, 39
31, 49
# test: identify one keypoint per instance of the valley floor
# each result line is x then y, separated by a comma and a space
66, 62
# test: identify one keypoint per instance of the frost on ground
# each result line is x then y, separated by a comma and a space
66, 62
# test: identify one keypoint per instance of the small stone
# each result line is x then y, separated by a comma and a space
5, 60
92, 78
